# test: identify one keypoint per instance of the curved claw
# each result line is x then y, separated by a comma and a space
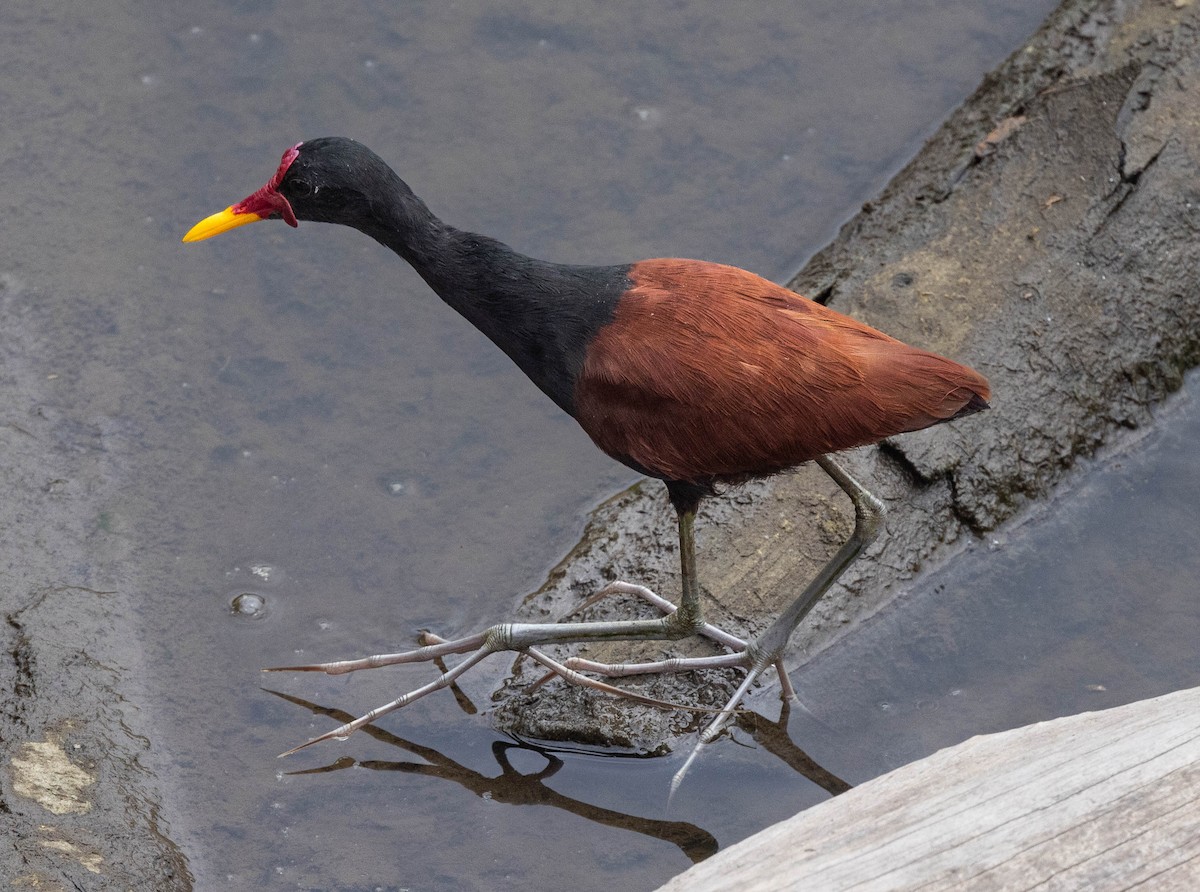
339, 733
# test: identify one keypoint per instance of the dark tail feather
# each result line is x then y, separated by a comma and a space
975, 404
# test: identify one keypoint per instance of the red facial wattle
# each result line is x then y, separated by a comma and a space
267, 202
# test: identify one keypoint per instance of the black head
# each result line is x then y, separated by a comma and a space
330, 180
335, 180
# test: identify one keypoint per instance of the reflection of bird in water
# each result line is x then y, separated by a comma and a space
513, 787
692, 372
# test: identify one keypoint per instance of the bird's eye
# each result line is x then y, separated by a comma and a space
301, 188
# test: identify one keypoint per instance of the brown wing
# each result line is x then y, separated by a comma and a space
711, 372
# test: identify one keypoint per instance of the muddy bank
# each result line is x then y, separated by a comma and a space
81, 809
1046, 235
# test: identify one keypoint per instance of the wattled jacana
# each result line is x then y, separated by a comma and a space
692, 372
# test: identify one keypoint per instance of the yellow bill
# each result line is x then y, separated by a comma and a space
221, 222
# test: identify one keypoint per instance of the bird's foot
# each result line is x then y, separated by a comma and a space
518, 637
429, 652
746, 655
742, 657
569, 674
675, 664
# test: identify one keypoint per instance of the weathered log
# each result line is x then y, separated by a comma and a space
1101, 801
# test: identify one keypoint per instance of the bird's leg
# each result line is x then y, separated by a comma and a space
689, 611
869, 513
689, 601
675, 624
521, 637
768, 648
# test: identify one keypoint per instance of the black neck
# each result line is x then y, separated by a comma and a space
403, 222
541, 314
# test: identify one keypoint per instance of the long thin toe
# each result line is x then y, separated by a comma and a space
426, 654
443, 681
557, 668
677, 779
328, 668
709, 734
708, 630
339, 733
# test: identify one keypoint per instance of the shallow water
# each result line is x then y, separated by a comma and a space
291, 415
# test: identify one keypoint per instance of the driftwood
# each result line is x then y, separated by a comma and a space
1100, 801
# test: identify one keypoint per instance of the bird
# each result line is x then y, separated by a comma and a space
699, 374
